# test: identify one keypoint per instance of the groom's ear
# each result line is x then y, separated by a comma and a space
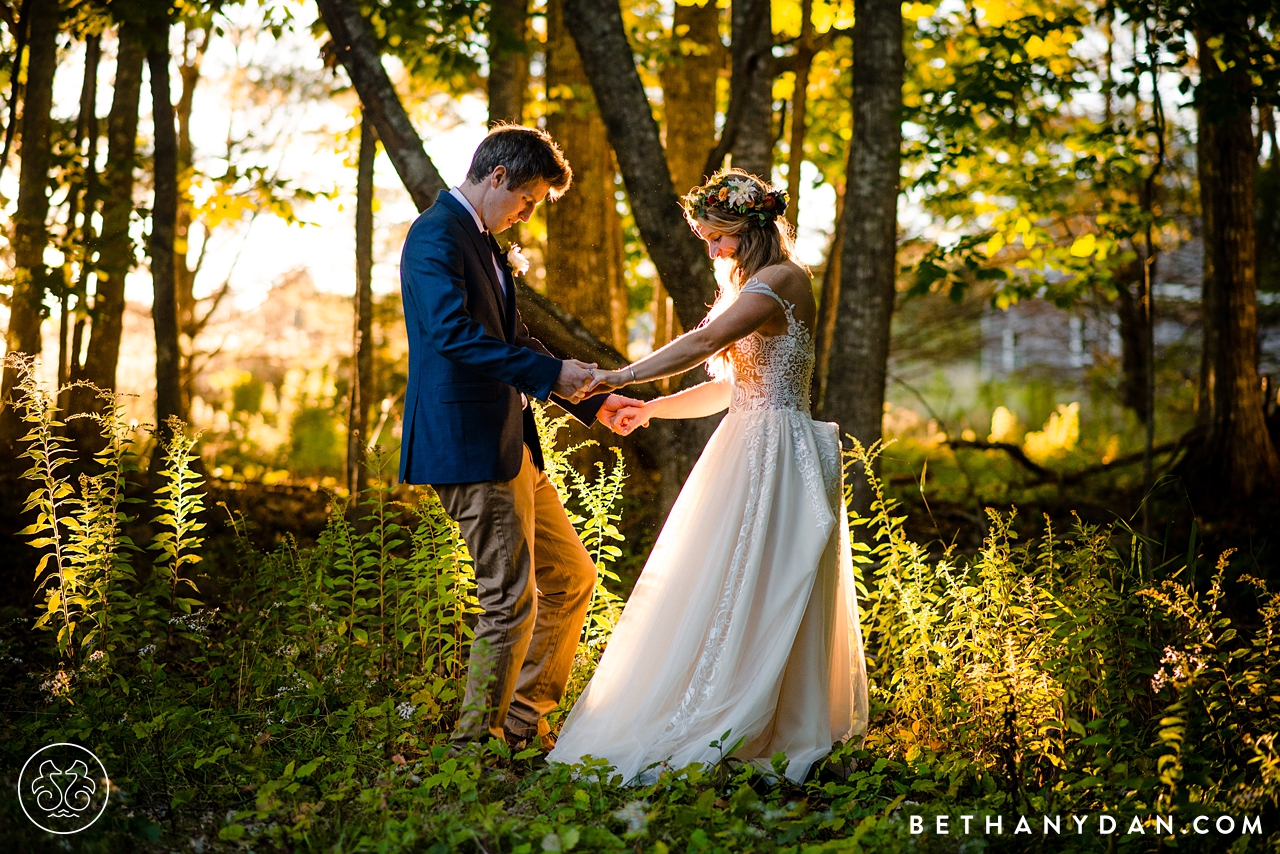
498, 176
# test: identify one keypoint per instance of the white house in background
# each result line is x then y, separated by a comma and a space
1038, 336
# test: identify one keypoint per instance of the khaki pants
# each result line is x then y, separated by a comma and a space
534, 580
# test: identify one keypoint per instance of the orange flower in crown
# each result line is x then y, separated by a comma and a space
736, 192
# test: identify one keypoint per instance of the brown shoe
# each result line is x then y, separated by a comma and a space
542, 743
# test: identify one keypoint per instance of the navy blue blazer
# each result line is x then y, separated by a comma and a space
470, 357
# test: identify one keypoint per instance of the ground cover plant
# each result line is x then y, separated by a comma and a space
300, 699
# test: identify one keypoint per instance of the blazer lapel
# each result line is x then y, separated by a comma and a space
484, 246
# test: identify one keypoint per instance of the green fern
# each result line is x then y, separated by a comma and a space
180, 503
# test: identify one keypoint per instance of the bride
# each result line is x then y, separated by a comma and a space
744, 619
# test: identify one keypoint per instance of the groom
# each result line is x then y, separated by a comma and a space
469, 432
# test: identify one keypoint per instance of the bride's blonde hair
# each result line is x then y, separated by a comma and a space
739, 204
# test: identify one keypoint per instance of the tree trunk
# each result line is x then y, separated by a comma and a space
828, 309
584, 230
362, 359
115, 249
1133, 350
799, 111
1267, 195
688, 93
357, 50
860, 345
164, 214
508, 60
677, 253
30, 227
79, 212
753, 83
194, 41
1236, 459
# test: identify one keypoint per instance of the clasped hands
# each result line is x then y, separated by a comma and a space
579, 380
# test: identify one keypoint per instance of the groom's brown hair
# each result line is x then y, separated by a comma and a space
526, 153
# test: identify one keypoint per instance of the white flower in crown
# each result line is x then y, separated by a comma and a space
516, 260
740, 193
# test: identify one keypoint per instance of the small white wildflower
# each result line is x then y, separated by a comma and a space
772, 814
57, 686
406, 710
97, 656
147, 650
635, 815
515, 258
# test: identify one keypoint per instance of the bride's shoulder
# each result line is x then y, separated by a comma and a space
784, 277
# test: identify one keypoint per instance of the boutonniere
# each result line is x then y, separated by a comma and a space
516, 261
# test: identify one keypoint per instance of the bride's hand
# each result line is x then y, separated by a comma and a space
631, 417
607, 381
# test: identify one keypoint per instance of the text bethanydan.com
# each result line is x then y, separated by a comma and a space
1101, 825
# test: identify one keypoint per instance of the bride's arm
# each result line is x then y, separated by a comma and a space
701, 400
747, 314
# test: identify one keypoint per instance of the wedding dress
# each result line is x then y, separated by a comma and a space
744, 619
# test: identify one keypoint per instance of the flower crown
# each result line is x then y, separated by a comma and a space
735, 192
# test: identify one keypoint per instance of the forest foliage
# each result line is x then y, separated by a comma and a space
301, 698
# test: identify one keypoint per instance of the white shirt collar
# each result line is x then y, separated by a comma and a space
456, 192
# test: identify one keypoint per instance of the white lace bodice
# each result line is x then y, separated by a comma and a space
772, 371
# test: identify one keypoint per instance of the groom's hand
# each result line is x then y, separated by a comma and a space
574, 380
610, 409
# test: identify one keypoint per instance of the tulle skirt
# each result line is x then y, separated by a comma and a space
743, 625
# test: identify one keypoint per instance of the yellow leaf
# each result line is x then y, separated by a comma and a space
994, 245
1084, 246
1035, 46
1023, 225
916, 11
996, 12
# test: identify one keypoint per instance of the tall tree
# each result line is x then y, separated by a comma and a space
1267, 195
584, 230
688, 90
195, 39
362, 362
828, 309
860, 344
164, 215
752, 86
30, 220
114, 247
748, 123
80, 210
805, 51
357, 49
1237, 458
508, 80
678, 254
